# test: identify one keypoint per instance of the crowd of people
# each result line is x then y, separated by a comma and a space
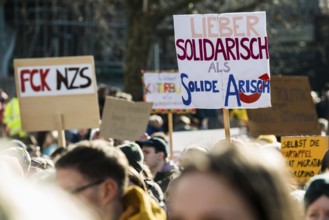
103, 179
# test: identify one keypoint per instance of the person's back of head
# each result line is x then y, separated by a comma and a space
239, 181
134, 155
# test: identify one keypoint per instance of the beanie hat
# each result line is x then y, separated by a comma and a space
157, 143
315, 188
134, 155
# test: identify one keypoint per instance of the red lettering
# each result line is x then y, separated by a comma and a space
166, 87
23, 79
252, 41
32, 74
210, 45
220, 49
243, 41
263, 47
34, 87
230, 44
178, 44
43, 76
189, 42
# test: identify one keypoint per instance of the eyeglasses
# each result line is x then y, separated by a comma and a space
82, 188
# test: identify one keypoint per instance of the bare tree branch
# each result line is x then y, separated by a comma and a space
173, 9
246, 7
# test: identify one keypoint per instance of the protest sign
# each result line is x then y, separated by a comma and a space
57, 93
124, 120
203, 138
292, 113
163, 89
304, 155
223, 60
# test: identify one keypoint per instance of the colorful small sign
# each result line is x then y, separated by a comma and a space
164, 90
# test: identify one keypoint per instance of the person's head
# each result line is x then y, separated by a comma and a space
232, 182
155, 151
161, 135
323, 124
155, 121
316, 199
183, 120
190, 152
134, 155
96, 172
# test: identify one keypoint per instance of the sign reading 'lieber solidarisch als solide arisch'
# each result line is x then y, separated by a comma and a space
223, 60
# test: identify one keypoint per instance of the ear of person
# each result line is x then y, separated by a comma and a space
108, 191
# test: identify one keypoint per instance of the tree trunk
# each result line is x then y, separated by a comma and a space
140, 39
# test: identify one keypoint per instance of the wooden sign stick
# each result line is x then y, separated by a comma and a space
60, 130
170, 131
227, 125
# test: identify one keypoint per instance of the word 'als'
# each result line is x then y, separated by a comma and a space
70, 79
197, 86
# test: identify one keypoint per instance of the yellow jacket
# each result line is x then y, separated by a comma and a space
138, 205
240, 114
12, 118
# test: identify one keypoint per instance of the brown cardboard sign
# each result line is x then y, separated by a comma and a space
124, 120
292, 113
53, 91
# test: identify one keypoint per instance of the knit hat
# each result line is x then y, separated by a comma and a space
315, 188
134, 155
157, 143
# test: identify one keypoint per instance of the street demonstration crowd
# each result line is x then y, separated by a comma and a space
97, 178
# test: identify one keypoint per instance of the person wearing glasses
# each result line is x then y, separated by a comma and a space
97, 173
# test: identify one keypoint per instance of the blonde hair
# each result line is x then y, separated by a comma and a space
260, 177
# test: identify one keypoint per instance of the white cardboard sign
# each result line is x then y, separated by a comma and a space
55, 80
163, 89
223, 60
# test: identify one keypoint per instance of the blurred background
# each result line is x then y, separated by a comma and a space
126, 36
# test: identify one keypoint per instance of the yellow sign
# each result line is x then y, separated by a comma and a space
304, 155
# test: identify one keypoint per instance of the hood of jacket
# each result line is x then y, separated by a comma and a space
138, 205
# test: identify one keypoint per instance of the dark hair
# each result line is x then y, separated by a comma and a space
325, 162
136, 179
317, 186
97, 160
261, 182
